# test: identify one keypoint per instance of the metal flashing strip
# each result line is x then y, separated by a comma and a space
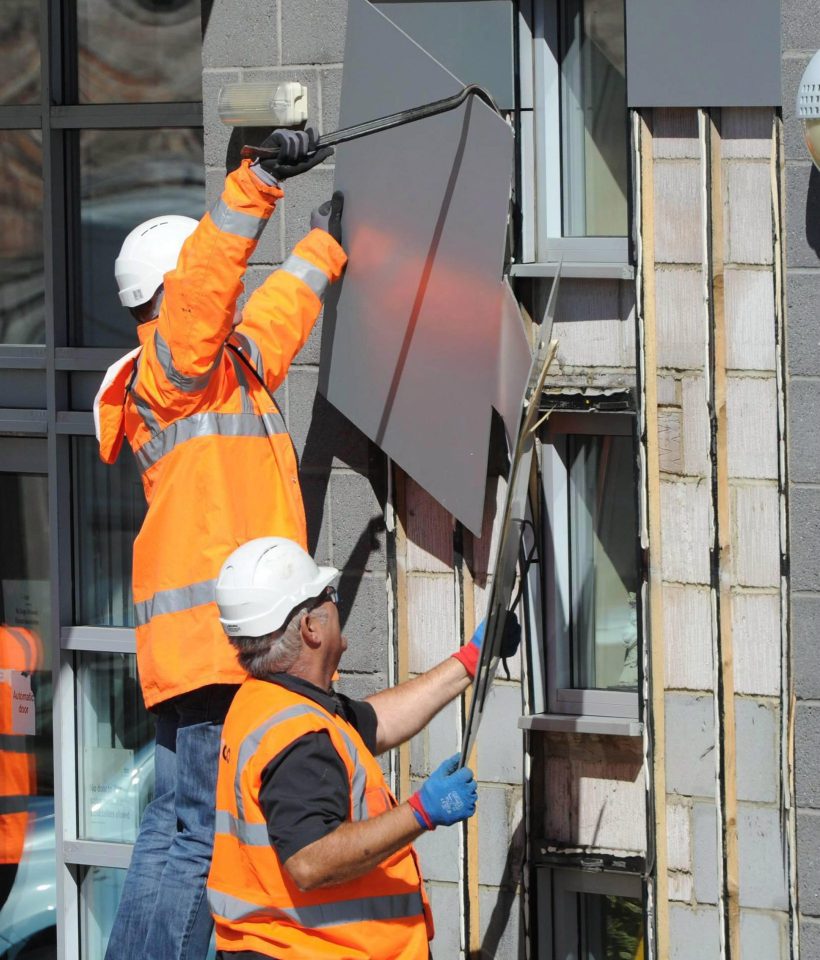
567, 723
421, 329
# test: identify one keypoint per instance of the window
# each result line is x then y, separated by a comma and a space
575, 137
593, 573
100, 128
589, 916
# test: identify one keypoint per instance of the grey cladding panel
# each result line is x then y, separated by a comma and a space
703, 53
471, 38
413, 351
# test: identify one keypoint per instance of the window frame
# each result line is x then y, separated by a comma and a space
562, 699
542, 242
556, 920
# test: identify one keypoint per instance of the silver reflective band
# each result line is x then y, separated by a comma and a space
143, 409
207, 425
13, 743
250, 745
13, 805
251, 351
180, 380
307, 273
234, 221
392, 907
251, 834
242, 380
174, 601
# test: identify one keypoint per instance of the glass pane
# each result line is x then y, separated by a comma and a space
22, 304
157, 56
100, 894
593, 118
603, 563
27, 858
127, 177
109, 507
610, 928
20, 43
115, 735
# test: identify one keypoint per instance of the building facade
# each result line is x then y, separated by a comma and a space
649, 772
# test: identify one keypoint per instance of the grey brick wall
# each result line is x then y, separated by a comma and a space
343, 475
801, 38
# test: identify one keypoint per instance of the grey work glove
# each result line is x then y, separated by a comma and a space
328, 216
297, 152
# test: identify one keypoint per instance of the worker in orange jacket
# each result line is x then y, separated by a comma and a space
20, 655
313, 855
218, 467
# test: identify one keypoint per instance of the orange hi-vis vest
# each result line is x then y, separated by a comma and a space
20, 652
256, 905
218, 465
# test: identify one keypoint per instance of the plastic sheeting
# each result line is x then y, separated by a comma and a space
423, 335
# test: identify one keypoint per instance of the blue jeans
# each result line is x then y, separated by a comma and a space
163, 913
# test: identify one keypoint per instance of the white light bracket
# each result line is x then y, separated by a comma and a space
263, 104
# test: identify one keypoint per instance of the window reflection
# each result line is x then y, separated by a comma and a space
20, 43
610, 928
27, 838
109, 507
22, 305
128, 176
594, 118
603, 562
144, 51
116, 748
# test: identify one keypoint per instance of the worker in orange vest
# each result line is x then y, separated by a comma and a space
20, 655
195, 401
313, 856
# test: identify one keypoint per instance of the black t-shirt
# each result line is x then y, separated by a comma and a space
305, 791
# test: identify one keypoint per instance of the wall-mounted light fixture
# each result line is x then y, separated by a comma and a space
808, 107
263, 104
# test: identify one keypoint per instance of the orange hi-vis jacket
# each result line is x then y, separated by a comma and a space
257, 906
20, 652
218, 465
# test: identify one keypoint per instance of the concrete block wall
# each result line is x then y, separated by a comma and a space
801, 39
694, 828
343, 475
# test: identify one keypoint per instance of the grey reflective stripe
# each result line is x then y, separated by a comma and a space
250, 745
180, 380
25, 643
207, 425
244, 389
390, 907
315, 278
251, 350
174, 601
13, 743
13, 805
143, 409
234, 221
251, 834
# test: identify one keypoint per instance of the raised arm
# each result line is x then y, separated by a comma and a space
279, 316
197, 311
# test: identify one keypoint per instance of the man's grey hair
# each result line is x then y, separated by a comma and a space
274, 652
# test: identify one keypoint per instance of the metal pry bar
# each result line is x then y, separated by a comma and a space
410, 115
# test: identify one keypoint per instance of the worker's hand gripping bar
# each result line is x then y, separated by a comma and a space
383, 123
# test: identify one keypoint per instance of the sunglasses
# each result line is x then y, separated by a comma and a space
329, 593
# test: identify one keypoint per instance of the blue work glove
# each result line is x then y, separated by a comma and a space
297, 152
328, 216
470, 653
447, 796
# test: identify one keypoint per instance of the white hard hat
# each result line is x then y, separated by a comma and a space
262, 581
149, 252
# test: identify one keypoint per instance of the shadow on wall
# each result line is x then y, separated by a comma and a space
507, 901
813, 211
332, 437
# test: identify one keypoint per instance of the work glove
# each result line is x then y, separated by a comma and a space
328, 216
470, 653
297, 152
448, 796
